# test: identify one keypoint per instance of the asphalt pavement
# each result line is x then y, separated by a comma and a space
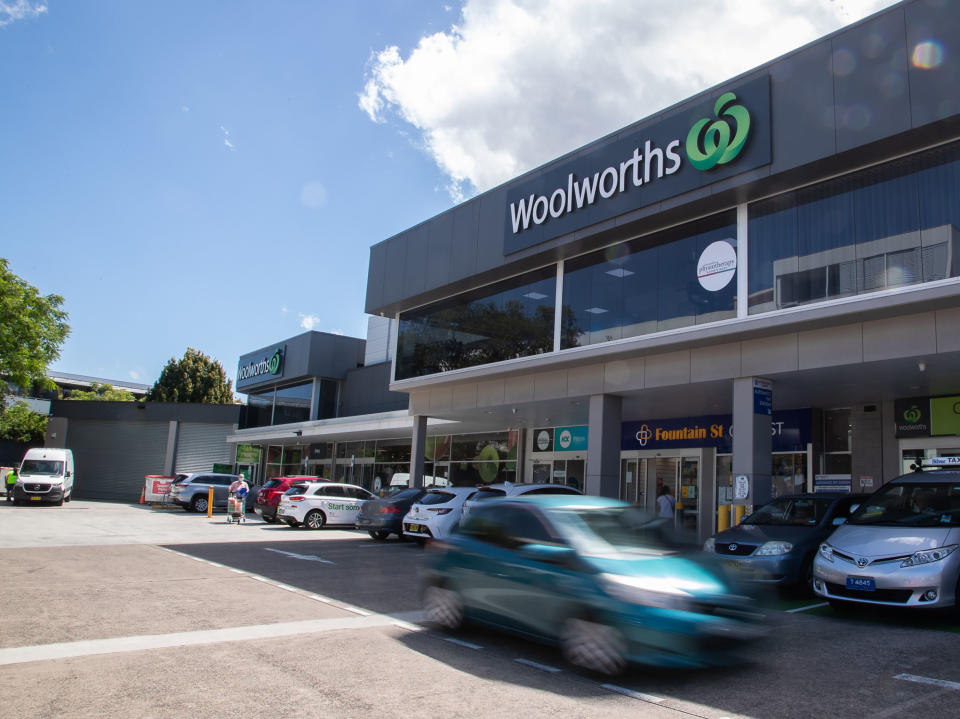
123, 611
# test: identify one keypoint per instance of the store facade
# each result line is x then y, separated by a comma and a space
779, 251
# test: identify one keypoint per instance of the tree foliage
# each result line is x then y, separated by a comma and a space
32, 329
194, 378
105, 392
21, 425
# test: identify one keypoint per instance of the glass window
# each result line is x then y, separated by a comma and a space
885, 226
329, 491
646, 285
509, 319
293, 404
435, 497
259, 411
393, 450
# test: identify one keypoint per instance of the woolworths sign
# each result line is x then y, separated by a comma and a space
270, 364
723, 136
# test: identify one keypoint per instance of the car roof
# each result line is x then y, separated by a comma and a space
454, 490
821, 495
566, 501
521, 487
334, 484
928, 475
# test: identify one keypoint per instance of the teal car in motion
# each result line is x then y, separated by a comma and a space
601, 578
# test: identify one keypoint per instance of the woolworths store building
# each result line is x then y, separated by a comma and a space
755, 291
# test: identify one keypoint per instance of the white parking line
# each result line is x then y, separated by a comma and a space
809, 606
634, 695
461, 643
929, 680
537, 665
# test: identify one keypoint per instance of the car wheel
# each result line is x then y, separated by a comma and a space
60, 502
443, 607
269, 520
290, 523
199, 504
593, 646
314, 519
68, 497
379, 534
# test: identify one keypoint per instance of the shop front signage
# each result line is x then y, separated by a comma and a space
944, 415
789, 429
724, 135
912, 417
561, 439
271, 364
248, 454
717, 265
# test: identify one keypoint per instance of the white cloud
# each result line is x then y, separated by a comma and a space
226, 139
184, 108
134, 374
313, 195
13, 10
336, 332
516, 82
284, 309
309, 322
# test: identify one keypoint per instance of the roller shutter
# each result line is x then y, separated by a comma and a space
199, 446
112, 457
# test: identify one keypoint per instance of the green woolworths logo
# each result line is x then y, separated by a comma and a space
709, 143
912, 415
274, 364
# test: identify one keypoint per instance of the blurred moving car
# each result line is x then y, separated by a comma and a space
383, 516
608, 582
778, 542
436, 513
192, 491
318, 504
900, 547
268, 497
510, 489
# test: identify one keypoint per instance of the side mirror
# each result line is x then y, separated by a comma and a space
837, 521
854, 508
549, 553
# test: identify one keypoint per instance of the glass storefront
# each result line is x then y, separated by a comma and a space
886, 226
646, 285
510, 319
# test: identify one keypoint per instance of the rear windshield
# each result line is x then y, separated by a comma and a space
912, 504
295, 489
406, 494
271, 483
482, 495
797, 512
436, 498
41, 466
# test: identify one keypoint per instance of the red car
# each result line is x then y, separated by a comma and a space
268, 497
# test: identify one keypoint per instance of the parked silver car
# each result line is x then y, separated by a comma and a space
192, 491
900, 547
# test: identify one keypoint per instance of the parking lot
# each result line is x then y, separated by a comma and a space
118, 610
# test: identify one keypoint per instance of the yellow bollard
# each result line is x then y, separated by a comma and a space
210, 502
723, 517
739, 511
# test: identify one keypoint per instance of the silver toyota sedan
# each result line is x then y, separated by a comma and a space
900, 547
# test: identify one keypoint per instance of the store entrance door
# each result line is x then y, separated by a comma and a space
680, 472
559, 471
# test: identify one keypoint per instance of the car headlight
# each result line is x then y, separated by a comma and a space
826, 552
710, 545
768, 549
928, 555
648, 591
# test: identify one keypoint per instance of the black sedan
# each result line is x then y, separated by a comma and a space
384, 516
776, 544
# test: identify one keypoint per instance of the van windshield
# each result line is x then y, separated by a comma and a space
914, 504
42, 466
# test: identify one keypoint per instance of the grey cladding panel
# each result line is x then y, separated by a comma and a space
802, 107
393, 274
439, 247
463, 261
415, 267
933, 90
375, 275
870, 69
112, 458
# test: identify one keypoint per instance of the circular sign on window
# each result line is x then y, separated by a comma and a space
543, 440
717, 265
565, 439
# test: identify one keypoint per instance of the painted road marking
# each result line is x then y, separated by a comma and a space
634, 695
462, 643
929, 680
294, 555
809, 606
537, 665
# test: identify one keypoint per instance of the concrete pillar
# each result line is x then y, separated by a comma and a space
752, 439
418, 448
603, 446
315, 399
707, 503
170, 461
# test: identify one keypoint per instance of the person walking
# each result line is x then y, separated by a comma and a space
11, 481
666, 504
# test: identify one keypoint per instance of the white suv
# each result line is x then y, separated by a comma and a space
317, 504
510, 489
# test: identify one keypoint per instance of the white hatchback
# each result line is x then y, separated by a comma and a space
510, 489
317, 504
436, 513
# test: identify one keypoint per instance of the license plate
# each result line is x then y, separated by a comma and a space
862, 584
36, 499
413, 527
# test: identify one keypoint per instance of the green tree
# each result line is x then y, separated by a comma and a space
195, 378
105, 392
32, 329
21, 425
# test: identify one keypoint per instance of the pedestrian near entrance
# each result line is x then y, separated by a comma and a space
11, 480
666, 504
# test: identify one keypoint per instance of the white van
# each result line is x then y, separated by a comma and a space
46, 475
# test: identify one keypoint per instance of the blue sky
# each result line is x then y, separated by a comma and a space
213, 174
